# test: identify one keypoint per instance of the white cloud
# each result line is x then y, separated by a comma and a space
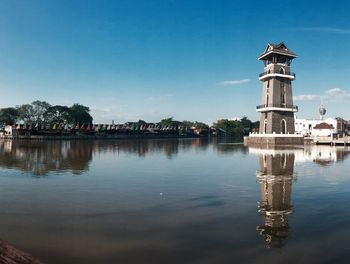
307, 97
233, 82
337, 93
326, 30
329, 95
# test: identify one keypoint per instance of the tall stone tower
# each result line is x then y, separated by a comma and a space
277, 109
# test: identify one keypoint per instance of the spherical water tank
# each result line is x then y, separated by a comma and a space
322, 110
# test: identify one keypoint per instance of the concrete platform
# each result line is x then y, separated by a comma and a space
333, 142
268, 140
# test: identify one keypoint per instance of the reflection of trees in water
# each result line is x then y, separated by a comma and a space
138, 147
141, 148
41, 157
230, 148
275, 177
229, 145
170, 147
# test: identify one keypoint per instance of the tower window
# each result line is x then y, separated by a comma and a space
283, 126
267, 93
283, 92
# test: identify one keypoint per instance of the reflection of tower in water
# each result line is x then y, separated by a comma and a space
275, 177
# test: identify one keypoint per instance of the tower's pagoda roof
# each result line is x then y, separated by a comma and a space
280, 49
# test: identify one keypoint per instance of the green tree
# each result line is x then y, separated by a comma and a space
58, 115
167, 121
246, 123
141, 122
200, 125
39, 110
80, 114
26, 113
9, 116
256, 125
170, 122
232, 127
187, 124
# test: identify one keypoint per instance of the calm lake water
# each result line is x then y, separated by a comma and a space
174, 201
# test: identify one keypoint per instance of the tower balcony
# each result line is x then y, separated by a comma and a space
277, 107
270, 74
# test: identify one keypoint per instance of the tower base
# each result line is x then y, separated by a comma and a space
268, 140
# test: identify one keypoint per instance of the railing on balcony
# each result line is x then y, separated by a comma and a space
294, 107
277, 72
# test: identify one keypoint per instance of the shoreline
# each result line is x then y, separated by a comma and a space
99, 137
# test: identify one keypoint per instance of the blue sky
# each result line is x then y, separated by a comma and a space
189, 59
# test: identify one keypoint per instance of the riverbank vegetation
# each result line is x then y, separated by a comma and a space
40, 115
39, 112
238, 127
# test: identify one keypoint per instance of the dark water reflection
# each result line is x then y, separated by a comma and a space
42, 157
276, 178
174, 201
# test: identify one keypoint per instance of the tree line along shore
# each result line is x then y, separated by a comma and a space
43, 119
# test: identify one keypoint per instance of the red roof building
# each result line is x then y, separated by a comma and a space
323, 125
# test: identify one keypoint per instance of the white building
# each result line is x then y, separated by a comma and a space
307, 127
6, 132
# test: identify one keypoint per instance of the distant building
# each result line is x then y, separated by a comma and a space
322, 127
8, 130
331, 126
216, 131
306, 127
342, 126
323, 130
